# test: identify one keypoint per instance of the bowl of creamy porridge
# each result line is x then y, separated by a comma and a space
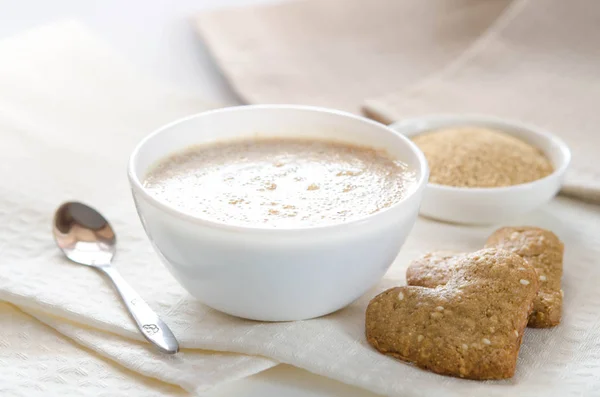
277, 212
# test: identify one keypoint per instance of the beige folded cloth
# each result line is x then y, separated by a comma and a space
336, 53
539, 61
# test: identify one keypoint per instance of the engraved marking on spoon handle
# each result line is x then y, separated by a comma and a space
147, 321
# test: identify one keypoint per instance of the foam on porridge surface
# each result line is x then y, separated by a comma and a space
279, 182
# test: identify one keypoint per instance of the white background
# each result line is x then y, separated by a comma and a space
158, 36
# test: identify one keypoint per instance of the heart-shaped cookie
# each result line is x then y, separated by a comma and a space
470, 327
540, 248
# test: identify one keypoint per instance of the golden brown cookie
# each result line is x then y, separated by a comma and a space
540, 248
471, 327
544, 251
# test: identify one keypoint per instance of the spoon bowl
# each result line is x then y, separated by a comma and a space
83, 235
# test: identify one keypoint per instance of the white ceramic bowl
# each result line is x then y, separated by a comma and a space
275, 274
489, 205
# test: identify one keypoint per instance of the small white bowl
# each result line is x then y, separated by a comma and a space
480, 206
275, 274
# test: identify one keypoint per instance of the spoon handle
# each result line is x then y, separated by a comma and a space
147, 321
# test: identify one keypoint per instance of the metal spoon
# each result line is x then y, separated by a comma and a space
85, 237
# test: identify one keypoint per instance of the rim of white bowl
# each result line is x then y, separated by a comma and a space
173, 210
480, 118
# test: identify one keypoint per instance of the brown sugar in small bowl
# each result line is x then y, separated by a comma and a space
489, 205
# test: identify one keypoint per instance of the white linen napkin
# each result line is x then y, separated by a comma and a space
37, 361
55, 146
553, 362
70, 111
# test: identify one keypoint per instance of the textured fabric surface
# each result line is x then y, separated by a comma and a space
193, 370
70, 113
336, 53
37, 361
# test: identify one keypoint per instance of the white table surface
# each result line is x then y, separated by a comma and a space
158, 36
